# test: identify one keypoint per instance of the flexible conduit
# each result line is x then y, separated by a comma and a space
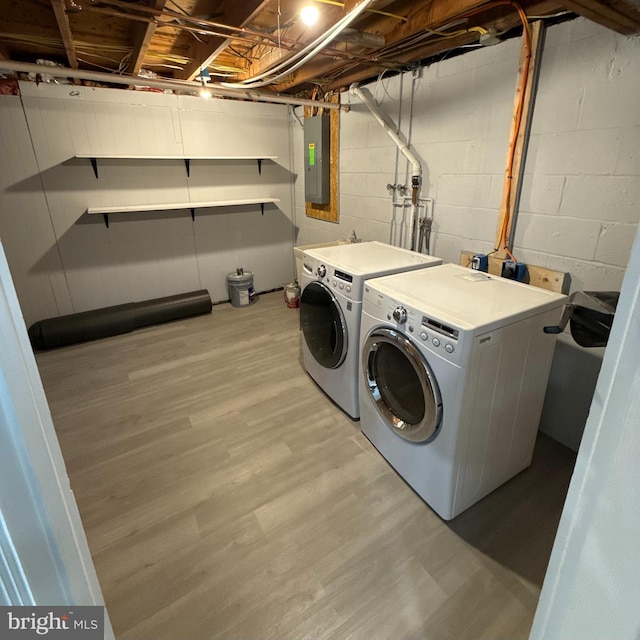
309, 52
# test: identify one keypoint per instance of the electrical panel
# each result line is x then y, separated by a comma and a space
317, 159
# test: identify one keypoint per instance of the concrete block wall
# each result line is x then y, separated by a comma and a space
580, 202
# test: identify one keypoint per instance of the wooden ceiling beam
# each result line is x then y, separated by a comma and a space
420, 16
502, 21
299, 33
143, 36
617, 15
64, 27
235, 14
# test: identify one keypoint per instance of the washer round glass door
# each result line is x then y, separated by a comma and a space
323, 325
402, 385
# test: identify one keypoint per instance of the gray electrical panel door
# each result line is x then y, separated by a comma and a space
316, 159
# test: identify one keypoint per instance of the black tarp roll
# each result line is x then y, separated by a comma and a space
171, 308
111, 321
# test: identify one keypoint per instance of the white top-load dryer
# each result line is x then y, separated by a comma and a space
454, 367
330, 306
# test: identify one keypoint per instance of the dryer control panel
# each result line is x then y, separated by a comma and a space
429, 332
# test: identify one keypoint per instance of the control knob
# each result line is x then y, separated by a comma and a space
322, 271
400, 315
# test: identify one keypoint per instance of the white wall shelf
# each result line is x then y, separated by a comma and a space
186, 159
172, 206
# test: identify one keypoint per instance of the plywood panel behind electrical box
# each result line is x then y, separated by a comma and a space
329, 212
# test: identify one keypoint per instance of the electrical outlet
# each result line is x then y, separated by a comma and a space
514, 270
480, 262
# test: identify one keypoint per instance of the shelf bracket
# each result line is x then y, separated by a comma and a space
259, 166
106, 219
262, 208
187, 164
193, 214
94, 164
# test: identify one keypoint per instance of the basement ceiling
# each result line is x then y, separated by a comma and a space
237, 40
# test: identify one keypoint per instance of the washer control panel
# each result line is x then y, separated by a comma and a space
337, 280
446, 347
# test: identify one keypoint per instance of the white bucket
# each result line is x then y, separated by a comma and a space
240, 287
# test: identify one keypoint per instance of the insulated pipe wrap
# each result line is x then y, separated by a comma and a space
116, 320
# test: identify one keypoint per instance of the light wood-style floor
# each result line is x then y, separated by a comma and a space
224, 496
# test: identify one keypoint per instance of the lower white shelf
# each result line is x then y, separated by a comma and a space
172, 206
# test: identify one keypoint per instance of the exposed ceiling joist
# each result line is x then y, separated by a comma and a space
418, 19
615, 14
240, 39
235, 14
64, 27
362, 38
144, 34
299, 33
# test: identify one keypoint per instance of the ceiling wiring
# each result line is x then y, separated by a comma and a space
304, 55
279, 34
271, 48
336, 3
173, 15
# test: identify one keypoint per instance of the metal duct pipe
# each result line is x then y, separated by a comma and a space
113, 78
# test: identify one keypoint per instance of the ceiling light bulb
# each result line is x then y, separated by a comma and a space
205, 93
309, 14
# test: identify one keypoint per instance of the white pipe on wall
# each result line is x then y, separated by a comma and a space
113, 78
367, 99
416, 167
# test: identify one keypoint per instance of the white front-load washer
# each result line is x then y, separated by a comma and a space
330, 306
454, 367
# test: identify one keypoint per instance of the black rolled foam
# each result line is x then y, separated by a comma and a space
171, 308
112, 321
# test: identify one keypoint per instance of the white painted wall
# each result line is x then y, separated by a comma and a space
591, 590
580, 202
64, 261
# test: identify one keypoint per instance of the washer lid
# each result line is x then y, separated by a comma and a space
465, 298
371, 258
